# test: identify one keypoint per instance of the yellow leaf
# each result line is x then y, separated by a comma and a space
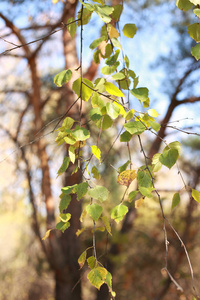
79, 231
153, 113
84, 213
139, 202
46, 234
126, 177
113, 33
55, 1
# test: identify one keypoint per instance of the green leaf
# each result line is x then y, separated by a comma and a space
86, 91
108, 70
96, 173
169, 157
196, 195
107, 224
175, 200
62, 226
65, 217
64, 202
108, 50
144, 179
118, 76
82, 259
80, 133
140, 93
68, 123
96, 42
63, 77
132, 195
72, 155
196, 11
174, 145
68, 189
81, 190
195, 51
94, 210
107, 123
96, 101
135, 127
99, 192
126, 60
154, 125
125, 137
113, 90
194, 31
89, 6
116, 43
118, 212
92, 262
123, 167
95, 114
104, 12
146, 191
184, 4
156, 162
64, 166
112, 110
117, 12
96, 56
129, 30
113, 59
71, 27
97, 152
86, 15
97, 276
129, 115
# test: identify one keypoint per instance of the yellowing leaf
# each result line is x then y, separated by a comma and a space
83, 214
79, 231
107, 224
153, 113
129, 30
97, 152
139, 202
97, 276
113, 33
46, 234
196, 195
113, 90
126, 177
82, 259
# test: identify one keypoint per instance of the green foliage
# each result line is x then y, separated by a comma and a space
129, 30
118, 212
175, 200
99, 192
62, 77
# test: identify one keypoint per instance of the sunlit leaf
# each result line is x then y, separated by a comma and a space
118, 212
80, 133
81, 189
63, 77
197, 12
86, 15
72, 155
96, 42
152, 112
113, 33
175, 200
118, 76
195, 2
184, 4
65, 217
129, 30
112, 110
97, 276
108, 70
129, 115
196, 195
86, 92
94, 210
99, 192
92, 262
97, 152
157, 165
154, 125
146, 191
116, 43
